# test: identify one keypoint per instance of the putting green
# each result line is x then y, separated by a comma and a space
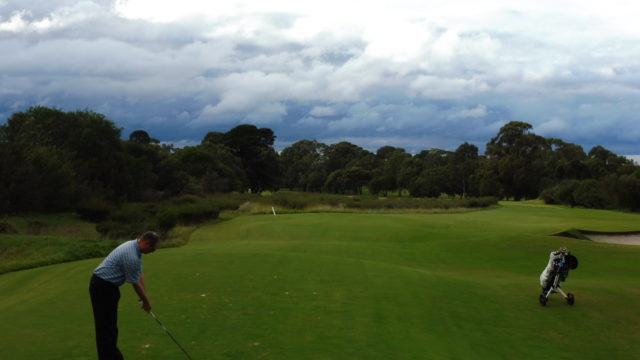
352, 286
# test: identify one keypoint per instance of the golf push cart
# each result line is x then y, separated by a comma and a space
561, 267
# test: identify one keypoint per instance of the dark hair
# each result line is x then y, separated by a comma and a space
151, 237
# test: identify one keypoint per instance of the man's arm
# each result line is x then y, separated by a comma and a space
142, 293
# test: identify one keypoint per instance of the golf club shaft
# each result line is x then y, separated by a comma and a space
168, 333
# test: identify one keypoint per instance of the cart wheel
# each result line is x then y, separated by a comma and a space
570, 299
543, 300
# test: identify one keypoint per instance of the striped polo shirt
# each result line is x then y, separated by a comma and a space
123, 264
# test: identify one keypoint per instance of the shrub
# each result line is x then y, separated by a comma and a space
94, 209
482, 201
296, 201
132, 219
37, 227
6, 228
120, 230
165, 221
194, 213
629, 192
290, 202
589, 194
185, 199
134, 212
561, 193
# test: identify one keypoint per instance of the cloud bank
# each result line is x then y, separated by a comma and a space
418, 75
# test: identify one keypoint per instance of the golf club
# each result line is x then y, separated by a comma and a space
171, 336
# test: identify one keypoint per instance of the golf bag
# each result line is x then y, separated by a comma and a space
559, 272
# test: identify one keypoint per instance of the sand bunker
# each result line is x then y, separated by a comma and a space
624, 239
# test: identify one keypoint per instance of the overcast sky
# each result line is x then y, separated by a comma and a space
412, 74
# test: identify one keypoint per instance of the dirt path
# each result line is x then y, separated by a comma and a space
624, 239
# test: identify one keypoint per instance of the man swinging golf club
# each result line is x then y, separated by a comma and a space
123, 264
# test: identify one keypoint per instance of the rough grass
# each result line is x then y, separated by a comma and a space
19, 252
60, 225
352, 286
40, 240
46, 239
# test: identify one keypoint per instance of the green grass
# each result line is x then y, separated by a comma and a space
352, 286
49, 239
55, 238
19, 252
59, 225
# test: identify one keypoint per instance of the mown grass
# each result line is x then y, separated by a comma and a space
352, 286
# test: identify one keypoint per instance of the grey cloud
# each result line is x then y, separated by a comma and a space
38, 9
456, 85
322, 111
310, 122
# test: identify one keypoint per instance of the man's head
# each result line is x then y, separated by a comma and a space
148, 242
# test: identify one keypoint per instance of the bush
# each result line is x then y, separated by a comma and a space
133, 219
120, 230
629, 192
6, 228
127, 222
588, 193
186, 199
94, 210
300, 201
195, 213
37, 227
134, 212
290, 202
165, 221
481, 202
561, 193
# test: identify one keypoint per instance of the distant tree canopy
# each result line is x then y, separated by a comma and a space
51, 160
517, 159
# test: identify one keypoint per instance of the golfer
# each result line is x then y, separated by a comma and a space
545, 277
123, 264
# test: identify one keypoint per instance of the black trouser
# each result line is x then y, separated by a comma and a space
104, 299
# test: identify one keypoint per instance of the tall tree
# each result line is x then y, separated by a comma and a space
464, 163
299, 161
344, 153
602, 162
410, 169
431, 183
90, 142
254, 147
141, 137
389, 164
517, 157
565, 161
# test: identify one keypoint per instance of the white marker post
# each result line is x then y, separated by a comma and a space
274, 211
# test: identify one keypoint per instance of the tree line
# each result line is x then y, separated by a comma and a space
51, 160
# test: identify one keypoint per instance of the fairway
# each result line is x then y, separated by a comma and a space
352, 286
